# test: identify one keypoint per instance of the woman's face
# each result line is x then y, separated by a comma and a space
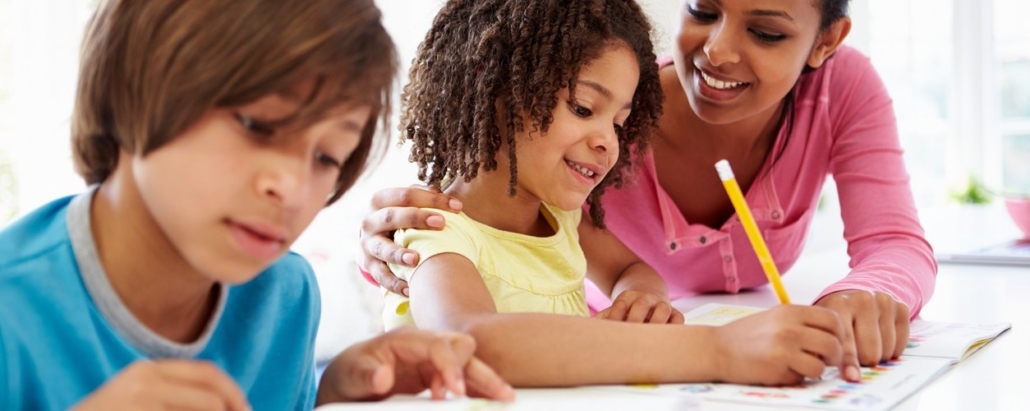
739, 58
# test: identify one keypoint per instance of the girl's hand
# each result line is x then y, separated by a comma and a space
640, 307
780, 346
394, 209
168, 385
409, 361
876, 325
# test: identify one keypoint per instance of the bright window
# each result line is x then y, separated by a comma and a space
908, 43
1012, 42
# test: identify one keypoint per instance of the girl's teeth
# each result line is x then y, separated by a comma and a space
581, 170
719, 84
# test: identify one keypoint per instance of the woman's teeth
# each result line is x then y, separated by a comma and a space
719, 84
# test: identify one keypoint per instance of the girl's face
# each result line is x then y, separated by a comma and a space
739, 58
564, 165
230, 198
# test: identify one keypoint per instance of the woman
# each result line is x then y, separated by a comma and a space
768, 86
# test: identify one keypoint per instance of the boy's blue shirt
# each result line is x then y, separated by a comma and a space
57, 347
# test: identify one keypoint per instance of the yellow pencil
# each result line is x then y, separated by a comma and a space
751, 228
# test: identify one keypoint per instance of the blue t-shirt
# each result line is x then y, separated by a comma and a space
64, 331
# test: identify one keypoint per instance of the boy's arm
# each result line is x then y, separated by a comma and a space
639, 293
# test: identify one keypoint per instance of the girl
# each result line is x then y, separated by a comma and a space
544, 104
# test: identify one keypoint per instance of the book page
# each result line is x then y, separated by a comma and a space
718, 314
881, 388
950, 340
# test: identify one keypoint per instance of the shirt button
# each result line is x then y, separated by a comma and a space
731, 280
727, 258
672, 246
775, 215
702, 240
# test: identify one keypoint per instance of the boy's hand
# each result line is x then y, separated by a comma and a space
780, 346
167, 385
640, 307
409, 361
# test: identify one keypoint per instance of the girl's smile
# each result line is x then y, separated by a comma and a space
589, 174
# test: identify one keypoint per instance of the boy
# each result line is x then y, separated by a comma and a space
211, 132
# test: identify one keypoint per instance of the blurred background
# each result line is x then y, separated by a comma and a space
958, 71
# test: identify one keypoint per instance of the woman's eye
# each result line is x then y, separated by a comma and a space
619, 130
326, 160
255, 127
767, 37
702, 16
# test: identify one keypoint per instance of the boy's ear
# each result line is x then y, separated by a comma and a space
828, 41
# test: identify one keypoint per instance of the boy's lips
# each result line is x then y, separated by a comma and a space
264, 241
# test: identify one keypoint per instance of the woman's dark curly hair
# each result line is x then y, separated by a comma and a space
519, 53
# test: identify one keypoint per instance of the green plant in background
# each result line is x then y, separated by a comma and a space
973, 193
8, 189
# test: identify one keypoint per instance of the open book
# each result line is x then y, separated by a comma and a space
933, 348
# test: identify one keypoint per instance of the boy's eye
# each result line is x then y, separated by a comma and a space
702, 16
326, 160
255, 127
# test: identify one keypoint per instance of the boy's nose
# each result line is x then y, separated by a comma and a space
283, 182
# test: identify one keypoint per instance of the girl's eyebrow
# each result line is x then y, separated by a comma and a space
603, 90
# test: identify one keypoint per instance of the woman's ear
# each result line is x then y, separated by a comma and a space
828, 41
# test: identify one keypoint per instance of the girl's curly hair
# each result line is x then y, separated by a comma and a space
521, 53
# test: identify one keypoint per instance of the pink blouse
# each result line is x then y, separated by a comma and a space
843, 125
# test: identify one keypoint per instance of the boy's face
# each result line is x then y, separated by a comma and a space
230, 198
581, 146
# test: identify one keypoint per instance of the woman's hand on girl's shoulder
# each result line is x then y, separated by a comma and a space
395, 209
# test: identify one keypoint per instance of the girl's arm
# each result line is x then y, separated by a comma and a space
639, 293
779, 346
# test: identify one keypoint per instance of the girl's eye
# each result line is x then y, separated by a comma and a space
619, 130
767, 37
580, 110
702, 16
328, 161
255, 127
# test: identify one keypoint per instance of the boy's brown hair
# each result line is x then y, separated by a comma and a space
152, 68
519, 52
